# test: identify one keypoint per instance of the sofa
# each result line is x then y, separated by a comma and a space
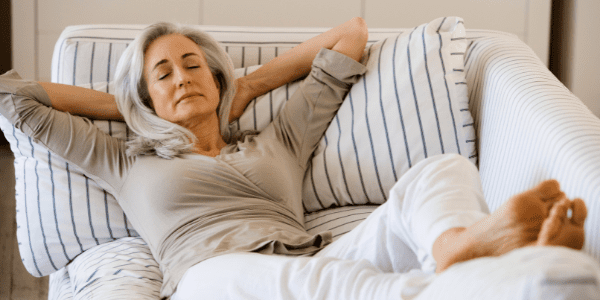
494, 102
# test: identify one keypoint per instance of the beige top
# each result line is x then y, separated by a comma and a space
193, 207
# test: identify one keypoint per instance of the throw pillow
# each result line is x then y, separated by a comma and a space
410, 104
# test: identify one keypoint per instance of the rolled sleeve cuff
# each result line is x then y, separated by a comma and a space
11, 82
338, 66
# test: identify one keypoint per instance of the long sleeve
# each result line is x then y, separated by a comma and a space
26, 105
307, 114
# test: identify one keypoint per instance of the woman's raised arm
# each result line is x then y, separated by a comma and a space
82, 102
349, 38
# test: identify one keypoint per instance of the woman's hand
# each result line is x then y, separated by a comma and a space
243, 96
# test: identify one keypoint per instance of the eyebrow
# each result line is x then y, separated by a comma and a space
164, 60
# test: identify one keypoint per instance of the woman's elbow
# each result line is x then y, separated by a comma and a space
353, 39
360, 28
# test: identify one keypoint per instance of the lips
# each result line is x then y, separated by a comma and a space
187, 95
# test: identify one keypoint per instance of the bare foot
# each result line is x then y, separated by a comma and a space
534, 217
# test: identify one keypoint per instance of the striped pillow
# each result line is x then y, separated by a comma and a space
123, 269
60, 211
410, 104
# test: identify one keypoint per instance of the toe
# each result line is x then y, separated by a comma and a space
552, 225
549, 190
579, 212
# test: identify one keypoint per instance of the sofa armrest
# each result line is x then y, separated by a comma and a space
530, 127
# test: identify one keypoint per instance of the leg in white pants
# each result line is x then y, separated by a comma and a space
436, 195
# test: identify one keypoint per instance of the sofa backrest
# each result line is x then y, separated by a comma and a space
88, 54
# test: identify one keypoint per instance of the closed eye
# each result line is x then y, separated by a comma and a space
163, 77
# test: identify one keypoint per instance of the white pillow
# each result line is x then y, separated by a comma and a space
123, 269
410, 104
60, 212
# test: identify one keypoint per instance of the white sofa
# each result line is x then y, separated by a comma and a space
529, 127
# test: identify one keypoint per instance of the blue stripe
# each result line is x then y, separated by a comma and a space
340, 158
54, 206
108, 67
412, 83
17, 140
27, 215
344, 210
259, 54
243, 56
338, 218
353, 221
58, 79
92, 276
327, 172
126, 227
89, 209
472, 47
437, 119
71, 207
92, 66
398, 103
271, 104
107, 216
37, 181
75, 61
362, 182
254, 113
387, 135
371, 139
312, 181
89, 283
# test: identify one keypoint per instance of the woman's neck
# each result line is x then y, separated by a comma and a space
210, 141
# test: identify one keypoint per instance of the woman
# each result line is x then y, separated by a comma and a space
209, 204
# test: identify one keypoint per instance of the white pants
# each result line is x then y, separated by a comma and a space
370, 262
388, 256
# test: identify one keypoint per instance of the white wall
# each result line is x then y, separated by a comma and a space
38, 23
583, 66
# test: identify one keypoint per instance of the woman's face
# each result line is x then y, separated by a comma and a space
182, 88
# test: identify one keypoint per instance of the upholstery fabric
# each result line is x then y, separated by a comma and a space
60, 211
410, 104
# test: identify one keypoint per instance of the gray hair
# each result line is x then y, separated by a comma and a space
154, 135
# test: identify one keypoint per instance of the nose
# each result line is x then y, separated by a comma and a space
183, 77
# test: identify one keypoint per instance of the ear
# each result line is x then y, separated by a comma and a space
217, 83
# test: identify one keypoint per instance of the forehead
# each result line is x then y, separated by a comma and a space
170, 47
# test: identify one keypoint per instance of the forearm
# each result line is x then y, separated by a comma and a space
349, 39
82, 102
